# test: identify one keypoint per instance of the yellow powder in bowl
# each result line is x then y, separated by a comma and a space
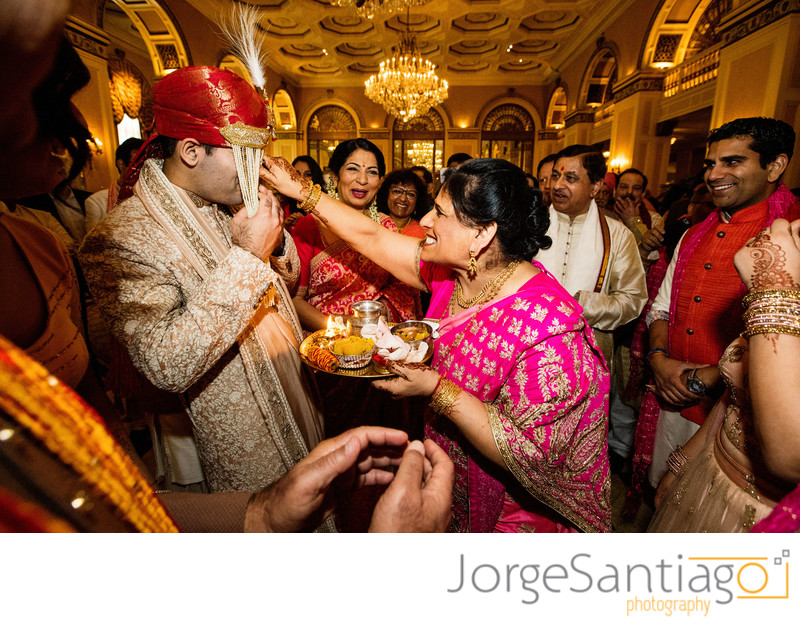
353, 345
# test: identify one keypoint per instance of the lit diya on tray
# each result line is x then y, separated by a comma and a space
360, 347
335, 347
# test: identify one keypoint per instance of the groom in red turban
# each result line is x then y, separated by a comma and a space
197, 287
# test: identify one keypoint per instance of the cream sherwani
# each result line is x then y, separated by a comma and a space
575, 259
188, 332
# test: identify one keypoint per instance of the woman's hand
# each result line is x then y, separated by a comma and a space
413, 380
771, 260
283, 177
663, 486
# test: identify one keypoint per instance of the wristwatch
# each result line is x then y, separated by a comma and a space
694, 385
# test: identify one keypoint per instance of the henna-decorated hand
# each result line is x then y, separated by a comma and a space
771, 260
414, 380
284, 178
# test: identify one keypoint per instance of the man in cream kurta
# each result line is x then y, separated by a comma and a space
197, 295
604, 274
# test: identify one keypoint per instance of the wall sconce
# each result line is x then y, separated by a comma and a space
96, 146
616, 165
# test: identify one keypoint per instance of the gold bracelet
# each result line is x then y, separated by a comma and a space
762, 329
312, 198
444, 396
754, 295
782, 309
677, 460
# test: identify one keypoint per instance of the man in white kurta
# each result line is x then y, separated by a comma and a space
603, 273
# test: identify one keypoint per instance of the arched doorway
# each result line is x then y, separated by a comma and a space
327, 127
419, 142
557, 109
598, 86
508, 132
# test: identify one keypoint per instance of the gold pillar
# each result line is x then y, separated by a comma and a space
758, 76
462, 140
286, 145
634, 142
547, 142
94, 102
578, 126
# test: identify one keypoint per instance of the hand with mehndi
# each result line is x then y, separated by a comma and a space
771, 260
413, 380
283, 177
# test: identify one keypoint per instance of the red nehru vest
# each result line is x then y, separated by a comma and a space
708, 309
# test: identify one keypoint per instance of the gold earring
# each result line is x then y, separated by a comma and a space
472, 268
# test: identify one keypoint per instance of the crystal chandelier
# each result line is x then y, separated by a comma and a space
407, 85
370, 8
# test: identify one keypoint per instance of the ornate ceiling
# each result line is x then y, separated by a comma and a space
472, 42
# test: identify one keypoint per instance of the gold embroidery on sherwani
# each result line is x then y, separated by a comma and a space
271, 400
158, 281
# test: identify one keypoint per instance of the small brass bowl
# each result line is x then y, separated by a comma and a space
412, 331
352, 362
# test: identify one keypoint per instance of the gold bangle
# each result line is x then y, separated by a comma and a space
677, 460
444, 396
312, 198
762, 329
754, 295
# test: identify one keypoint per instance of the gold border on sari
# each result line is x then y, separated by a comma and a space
529, 485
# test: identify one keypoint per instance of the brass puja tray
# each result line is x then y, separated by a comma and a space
370, 371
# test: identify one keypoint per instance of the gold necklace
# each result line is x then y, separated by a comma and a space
487, 292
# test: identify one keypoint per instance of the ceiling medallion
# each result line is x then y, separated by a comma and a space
406, 85
368, 9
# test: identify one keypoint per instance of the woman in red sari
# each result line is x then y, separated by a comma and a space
333, 276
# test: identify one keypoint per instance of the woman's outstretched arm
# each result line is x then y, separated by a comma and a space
394, 252
771, 261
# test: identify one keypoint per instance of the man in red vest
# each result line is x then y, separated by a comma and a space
697, 312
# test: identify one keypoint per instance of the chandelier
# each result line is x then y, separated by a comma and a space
370, 8
407, 85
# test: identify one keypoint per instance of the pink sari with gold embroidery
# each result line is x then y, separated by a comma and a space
335, 276
532, 359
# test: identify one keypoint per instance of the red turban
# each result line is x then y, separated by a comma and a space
214, 106
196, 102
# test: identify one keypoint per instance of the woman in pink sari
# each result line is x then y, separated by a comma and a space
518, 388
333, 276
